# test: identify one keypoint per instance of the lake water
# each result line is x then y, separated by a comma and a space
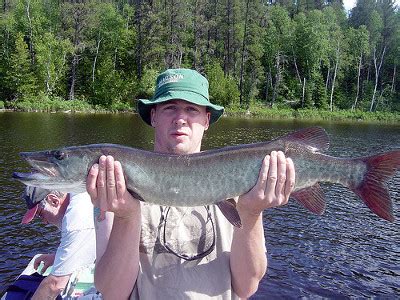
347, 252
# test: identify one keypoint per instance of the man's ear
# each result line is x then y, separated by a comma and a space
208, 120
53, 200
152, 116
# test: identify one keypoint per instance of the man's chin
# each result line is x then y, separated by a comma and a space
180, 150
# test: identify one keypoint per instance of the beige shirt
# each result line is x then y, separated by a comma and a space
163, 275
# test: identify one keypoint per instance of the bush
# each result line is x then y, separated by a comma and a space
43, 102
223, 89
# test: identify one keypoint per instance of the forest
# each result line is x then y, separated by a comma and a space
309, 54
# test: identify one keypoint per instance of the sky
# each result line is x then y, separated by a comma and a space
349, 4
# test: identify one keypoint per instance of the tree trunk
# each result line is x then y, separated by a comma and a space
377, 73
139, 58
392, 89
227, 60
95, 58
358, 84
74, 65
297, 69
243, 52
334, 77
49, 88
304, 92
327, 79
277, 78
31, 50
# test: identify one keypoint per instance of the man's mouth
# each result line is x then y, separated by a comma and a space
179, 133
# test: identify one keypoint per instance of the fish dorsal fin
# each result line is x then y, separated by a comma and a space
313, 136
228, 209
311, 198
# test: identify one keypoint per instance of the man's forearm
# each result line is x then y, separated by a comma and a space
116, 271
248, 260
50, 287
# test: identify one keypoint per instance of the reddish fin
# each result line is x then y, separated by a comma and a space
228, 209
311, 198
312, 136
373, 190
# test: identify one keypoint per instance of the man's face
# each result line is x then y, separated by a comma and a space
48, 212
179, 126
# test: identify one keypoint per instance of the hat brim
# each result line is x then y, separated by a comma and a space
145, 106
29, 215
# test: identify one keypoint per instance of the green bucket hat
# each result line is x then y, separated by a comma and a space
183, 84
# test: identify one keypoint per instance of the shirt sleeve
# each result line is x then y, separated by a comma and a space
77, 249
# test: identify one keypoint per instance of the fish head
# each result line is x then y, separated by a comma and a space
62, 169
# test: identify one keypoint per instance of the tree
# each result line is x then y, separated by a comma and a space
20, 77
52, 55
358, 43
76, 22
277, 47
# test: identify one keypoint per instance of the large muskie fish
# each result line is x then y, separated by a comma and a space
212, 176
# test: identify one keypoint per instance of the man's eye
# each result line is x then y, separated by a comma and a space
169, 107
192, 109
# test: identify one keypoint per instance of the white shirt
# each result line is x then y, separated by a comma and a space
77, 247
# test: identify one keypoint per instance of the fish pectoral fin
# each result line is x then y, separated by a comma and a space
228, 209
136, 195
311, 198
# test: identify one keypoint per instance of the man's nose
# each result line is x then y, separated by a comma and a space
180, 117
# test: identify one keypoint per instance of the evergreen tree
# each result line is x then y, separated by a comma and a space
20, 77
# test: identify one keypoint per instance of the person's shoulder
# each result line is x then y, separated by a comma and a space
79, 196
79, 204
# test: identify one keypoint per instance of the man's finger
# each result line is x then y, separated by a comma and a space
111, 190
119, 180
91, 183
101, 184
263, 175
272, 176
281, 175
290, 177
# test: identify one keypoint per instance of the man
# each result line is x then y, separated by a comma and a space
73, 215
183, 253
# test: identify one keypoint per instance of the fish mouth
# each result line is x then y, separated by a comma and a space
42, 169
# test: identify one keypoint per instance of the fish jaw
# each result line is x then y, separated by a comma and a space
50, 183
53, 172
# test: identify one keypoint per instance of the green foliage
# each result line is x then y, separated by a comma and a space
51, 53
20, 77
223, 89
43, 102
110, 52
319, 93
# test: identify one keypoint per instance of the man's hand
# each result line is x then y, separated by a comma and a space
106, 186
274, 185
47, 259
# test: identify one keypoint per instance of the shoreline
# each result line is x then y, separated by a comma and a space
257, 113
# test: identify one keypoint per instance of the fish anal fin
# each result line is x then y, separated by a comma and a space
311, 198
228, 209
313, 136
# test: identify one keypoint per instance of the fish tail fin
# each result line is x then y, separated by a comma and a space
373, 190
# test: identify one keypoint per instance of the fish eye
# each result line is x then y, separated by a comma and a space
59, 155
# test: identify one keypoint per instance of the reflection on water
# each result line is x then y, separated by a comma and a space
347, 252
